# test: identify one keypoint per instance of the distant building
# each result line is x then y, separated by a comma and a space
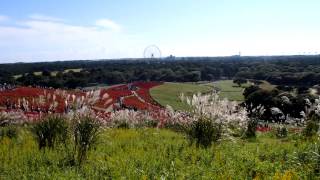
171, 57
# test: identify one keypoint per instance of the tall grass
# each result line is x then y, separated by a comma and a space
77, 135
85, 135
162, 154
51, 130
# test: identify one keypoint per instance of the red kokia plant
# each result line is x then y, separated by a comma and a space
135, 103
36, 101
263, 129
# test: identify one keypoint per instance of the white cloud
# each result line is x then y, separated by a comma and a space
107, 23
41, 17
3, 18
42, 38
39, 40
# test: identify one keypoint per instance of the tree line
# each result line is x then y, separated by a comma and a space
279, 70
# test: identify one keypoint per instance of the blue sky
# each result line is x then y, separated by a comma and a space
50, 30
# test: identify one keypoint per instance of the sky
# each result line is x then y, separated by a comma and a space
51, 30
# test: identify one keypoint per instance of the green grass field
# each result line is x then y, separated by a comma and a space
168, 93
160, 154
233, 92
230, 90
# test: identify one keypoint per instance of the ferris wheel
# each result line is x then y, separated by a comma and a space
152, 52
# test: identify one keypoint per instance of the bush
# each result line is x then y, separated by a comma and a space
51, 130
251, 128
281, 132
312, 126
204, 132
85, 135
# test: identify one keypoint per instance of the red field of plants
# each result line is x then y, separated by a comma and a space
33, 101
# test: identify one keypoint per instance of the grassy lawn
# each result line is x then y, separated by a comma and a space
160, 154
74, 70
168, 93
230, 90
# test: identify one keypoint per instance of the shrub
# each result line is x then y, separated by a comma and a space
312, 126
85, 135
251, 128
51, 130
281, 132
204, 132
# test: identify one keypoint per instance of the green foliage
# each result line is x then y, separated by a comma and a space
289, 104
204, 132
280, 70
51, 130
